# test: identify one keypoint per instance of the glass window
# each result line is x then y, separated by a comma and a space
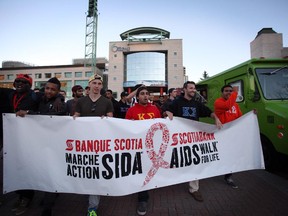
58, 75
67, 86
148, 68
88, 73
82, 83
68, 74
78, 74
239, 86
10, 76
273, 82
48, 75
38, 76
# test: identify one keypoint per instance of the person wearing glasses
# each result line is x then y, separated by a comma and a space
94, 104
227, 110
187, 106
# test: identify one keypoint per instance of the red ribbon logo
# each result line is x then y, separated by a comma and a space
156, 159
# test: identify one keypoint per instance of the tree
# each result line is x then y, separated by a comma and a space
205, 76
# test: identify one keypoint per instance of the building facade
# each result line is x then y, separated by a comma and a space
69, 75
146, 56
268, 44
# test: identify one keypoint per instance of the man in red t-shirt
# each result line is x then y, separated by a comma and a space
140, 111
227, 110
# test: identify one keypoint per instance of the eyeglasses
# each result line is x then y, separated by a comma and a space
21, 81
93, 108
228, 90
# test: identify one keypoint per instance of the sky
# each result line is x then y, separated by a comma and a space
216, 34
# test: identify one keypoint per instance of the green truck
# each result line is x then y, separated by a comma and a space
262, 85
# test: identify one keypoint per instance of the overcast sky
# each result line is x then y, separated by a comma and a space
216, 34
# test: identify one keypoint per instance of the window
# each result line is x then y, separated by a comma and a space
175, 53
145, 66
68, 74
88, 73
48, 75
82, 83
10, 76
38, 76
58, 75
238, 84
78, 74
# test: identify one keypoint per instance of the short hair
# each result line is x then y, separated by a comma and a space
140, 89
188, 82
225, 86
109, 90
171, 90
55, 81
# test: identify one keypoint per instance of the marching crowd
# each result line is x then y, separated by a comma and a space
95, 101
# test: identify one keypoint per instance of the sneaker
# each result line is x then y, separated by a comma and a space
142, 208
197, 196
92, 212
23, 206
230, 182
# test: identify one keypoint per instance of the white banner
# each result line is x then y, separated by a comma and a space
116, 157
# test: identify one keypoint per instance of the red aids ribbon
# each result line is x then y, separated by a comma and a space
156, 159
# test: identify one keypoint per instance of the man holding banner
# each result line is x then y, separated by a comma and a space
187, 107
140, 111
94, 105
227, 110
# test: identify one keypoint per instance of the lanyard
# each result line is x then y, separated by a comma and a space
17, 102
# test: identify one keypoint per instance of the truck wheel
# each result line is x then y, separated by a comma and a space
269, 154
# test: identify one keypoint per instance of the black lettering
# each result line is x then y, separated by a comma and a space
196, 159
137, 165
187, 155
108, 174
174, 159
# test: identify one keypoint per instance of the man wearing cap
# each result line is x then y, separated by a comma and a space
77, 92
94, 105
123, 105
23, 98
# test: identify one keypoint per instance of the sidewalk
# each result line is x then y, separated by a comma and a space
259, 193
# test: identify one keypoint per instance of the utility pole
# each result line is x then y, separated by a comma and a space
91, 35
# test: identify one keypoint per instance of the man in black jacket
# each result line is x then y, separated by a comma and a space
52, 103
188, 107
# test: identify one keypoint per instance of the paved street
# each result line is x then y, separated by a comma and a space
259, 193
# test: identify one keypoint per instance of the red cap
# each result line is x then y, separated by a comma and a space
26, 77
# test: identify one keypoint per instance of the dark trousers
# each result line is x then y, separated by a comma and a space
49, 200
228, 176
143, 196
